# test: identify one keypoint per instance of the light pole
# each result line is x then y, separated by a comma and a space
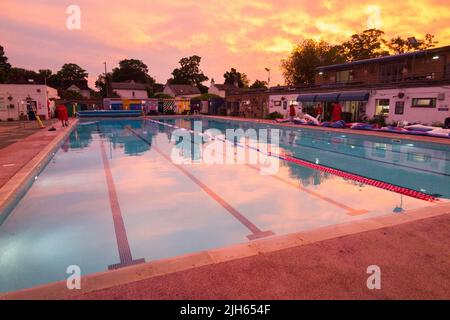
106, 81
268, 77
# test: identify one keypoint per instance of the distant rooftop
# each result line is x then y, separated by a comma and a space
183, 89
128, 85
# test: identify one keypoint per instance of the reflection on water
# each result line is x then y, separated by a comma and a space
67, 217
417, 166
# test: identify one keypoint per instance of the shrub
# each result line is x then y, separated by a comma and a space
274, 115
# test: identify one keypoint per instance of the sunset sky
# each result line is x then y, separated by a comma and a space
248, 35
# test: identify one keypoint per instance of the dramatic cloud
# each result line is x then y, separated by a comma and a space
249, 35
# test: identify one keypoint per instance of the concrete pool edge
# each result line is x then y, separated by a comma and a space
13, 189
108, 279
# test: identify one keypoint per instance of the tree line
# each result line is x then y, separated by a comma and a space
298, 68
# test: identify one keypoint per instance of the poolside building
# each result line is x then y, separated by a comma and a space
249, 103
21, 101
412, 86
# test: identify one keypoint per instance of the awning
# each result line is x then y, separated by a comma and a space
327, 97
306, 98
354, 96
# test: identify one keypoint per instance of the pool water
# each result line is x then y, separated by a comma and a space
112, 197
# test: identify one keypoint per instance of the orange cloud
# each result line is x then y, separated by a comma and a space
249, 35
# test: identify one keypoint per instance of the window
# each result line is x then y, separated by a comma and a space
277, 103
285, 105
381, 107
423, 103
344, 76
132, 93
399, 107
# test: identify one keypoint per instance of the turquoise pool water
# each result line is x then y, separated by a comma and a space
111, 196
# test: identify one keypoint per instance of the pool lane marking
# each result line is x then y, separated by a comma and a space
256, 233
350, 211
123, 246
340, 173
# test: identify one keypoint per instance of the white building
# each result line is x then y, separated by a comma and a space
130, 90
86, 93
181, 90
280, 102
426, 105
18, 100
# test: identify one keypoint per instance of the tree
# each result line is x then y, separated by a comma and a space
21, 75
102, 82
190, 73
72, 72
258, 84
132, 69
399, 45
233, 76
300, 66
365, 45
4, 65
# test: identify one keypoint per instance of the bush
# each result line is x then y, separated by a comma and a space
379, 120
274, 115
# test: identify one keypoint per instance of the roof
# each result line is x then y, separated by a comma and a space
80, 84
128, 85
228, 88
385, 58
183, 89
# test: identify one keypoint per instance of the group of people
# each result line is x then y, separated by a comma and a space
336, 113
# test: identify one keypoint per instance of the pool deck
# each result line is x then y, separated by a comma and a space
412, 250
21, 159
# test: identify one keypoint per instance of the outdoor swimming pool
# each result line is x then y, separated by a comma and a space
111, 196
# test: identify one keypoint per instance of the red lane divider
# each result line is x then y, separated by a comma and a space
343, 174
368, 181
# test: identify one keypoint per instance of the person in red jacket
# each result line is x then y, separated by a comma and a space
292, 112
337, 112
63, 115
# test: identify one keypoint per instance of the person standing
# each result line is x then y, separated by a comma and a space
292, 112
63, 115
319, 111
337, 112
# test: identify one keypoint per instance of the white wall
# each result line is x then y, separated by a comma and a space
214, 90
289, 98
19, 94
128, 94
417, 114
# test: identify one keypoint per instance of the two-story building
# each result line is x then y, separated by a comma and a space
413, 86
129, 90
